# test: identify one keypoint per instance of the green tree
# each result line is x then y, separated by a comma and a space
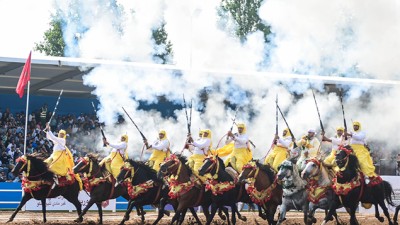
53, 44
163, 50
245, 15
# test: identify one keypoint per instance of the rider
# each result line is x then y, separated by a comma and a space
61, 161
114, 161
241, 153
358, 144
336, 140
201, 150
280, 151
160, 149
310, 145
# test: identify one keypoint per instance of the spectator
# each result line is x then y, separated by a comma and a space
3, 177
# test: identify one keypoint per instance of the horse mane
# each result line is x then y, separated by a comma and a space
38, 161
142, 166
297, 181
221, 163
183, 160
267, 169
93, 157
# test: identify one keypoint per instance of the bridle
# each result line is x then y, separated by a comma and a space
254, 170
130, 170
27, 163
87, 162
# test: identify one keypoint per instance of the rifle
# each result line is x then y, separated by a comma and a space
319, 116
188, 119
291, 134
344, 118
233, 121
55, 108
101, 128
141, 134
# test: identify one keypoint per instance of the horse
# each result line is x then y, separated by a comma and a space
38, 181
100, 184
396, 215
350, 188
320, 193
185, 188
144, 188
225, 190
263, 188
294, 190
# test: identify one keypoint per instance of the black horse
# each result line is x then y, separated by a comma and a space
38, 181
144, 188
350, 188
100, 184
185, 192
224, 188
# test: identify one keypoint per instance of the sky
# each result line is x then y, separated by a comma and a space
350, 39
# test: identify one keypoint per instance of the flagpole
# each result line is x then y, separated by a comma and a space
26, 117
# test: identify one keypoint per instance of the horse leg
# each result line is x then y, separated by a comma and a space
128, 211
353, 219
73, 199
272, 210
24, 199
311, 219
377, 215
385, 210
282, 216
224, 210
100, 211
234, 210
212, 214
396, 215
260, 212
195, 215
44, 209
163, 202
182, 216
89, 204
243, 218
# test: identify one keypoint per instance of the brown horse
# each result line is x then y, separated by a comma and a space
262, 188
100, 184
185, 188
38, 181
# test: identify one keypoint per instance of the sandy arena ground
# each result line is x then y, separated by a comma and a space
55, 218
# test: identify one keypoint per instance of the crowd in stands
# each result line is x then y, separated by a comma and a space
79, 128
12, 130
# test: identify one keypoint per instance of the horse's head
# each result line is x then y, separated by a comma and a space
87, 164
248, 171
342, 156
127, 171
285, 170
169, 166
311, 169
21, 165
210, 165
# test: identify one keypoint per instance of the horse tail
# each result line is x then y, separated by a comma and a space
388, 190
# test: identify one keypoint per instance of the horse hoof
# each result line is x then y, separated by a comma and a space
166, 212
10, 220
243, 218
313, 220
381, 219
223, 217
78, 220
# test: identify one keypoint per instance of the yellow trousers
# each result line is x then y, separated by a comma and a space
365, 160
238, 158
60, 162
276, 157
330, 159
156, 158
113, 163
195, 162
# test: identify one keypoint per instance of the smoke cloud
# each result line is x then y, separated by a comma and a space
338, 40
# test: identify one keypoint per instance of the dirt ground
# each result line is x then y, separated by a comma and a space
55, 218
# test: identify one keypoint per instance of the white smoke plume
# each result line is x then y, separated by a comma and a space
339, 38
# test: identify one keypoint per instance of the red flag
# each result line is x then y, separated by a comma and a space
25, 77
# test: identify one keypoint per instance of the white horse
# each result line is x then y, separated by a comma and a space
294, 190
320, 193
